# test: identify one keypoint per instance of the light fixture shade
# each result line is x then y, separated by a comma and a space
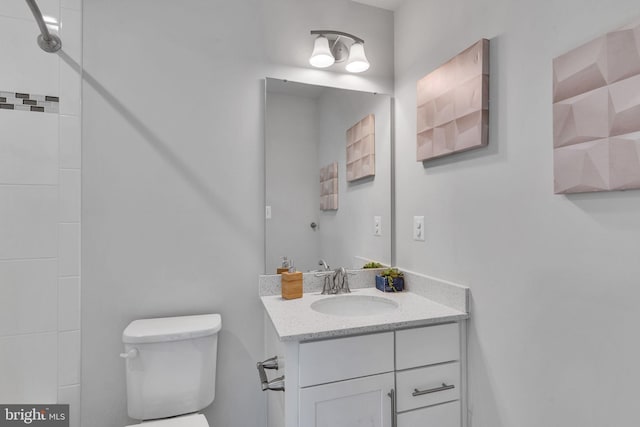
357, 61
321, 56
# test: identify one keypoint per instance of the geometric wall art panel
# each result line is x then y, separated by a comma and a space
453, 105
361, 149
329, 187
596, 114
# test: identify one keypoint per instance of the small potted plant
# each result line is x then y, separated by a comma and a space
372, 264
390, 280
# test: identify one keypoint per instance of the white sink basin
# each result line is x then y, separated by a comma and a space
354, 305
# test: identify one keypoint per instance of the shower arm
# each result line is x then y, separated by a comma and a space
47, 41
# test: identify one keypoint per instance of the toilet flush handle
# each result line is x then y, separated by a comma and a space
130, 354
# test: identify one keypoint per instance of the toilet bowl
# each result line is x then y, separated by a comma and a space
171, 369
192, 420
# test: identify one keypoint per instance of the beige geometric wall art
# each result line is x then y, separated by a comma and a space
329, 187
361, 149
596, 114
453, 105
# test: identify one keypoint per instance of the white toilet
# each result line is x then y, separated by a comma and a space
171, 369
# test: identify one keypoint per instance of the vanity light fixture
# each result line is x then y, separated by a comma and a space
329, 48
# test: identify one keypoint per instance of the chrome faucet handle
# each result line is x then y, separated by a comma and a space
345, 284
326, 288
341, 274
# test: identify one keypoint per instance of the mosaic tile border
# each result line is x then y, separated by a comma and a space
29, 102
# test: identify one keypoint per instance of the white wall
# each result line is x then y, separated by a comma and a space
554, 279
40, 211
292, 187
348, 232
173, 201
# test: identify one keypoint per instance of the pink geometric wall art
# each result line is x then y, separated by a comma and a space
453, 105
596, 114
329, 187
361, 149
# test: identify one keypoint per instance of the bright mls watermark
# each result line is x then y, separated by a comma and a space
34, 415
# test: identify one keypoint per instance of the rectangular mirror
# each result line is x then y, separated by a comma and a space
327, 176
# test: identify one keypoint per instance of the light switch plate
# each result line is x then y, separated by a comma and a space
418, 228
377, 226
267, 212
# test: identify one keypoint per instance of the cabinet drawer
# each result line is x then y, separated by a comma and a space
344, 358
445, 415
427, 346
424, 379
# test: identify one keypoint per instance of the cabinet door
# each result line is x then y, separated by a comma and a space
361, 402
445, 415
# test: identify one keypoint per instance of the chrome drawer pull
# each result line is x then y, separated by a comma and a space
444, 387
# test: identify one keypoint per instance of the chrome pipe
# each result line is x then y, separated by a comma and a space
276, 384
47, 41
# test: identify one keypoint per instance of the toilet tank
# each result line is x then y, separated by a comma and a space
170, 365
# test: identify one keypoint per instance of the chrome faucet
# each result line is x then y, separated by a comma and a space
324, 265
327, 288
336, 283
341, 281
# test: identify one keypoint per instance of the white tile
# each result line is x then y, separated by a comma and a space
70, 65
28, 222
69, 252
70, 142
69, 303
38, 71
71, 33
70, 82
71, 396
28, 148
68, 358
29, 368
19, 9
28, 291
69, 193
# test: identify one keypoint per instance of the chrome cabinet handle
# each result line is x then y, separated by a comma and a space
276, 384
394, 412
444, 387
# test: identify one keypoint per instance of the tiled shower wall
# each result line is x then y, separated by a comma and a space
40, 136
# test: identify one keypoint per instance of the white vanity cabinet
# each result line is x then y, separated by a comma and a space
403, 378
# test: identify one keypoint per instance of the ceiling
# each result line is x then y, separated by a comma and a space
383, 4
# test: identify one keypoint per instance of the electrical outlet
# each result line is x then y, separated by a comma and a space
418, 228
377, 226
267, 212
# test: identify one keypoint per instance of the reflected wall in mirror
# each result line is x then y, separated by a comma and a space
306, 130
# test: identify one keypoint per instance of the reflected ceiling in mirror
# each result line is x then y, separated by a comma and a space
305, 133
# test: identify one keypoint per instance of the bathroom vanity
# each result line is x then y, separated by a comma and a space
404, 367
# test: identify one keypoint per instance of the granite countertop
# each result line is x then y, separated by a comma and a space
295, 320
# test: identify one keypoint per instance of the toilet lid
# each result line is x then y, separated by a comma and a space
193, 420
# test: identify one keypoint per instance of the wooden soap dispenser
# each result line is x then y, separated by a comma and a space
291, 283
